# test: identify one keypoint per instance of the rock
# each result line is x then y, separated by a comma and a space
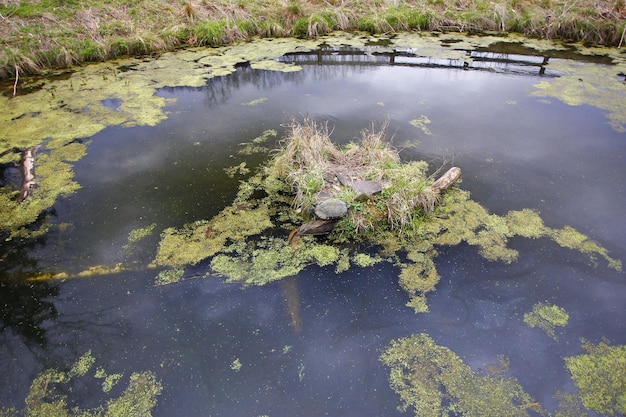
331, 208
366, 187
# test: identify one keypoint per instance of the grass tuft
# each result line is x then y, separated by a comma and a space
54, 33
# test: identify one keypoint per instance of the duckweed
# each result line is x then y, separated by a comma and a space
599, 377
48, 393
590, 84
138, 234
433, 381
547, 317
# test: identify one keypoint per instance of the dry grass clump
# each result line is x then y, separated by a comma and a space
314, 166
37, 35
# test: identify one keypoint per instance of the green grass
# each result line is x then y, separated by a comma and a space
36, 35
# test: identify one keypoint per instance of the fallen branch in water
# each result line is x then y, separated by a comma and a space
17, 77
446, 180
29, 180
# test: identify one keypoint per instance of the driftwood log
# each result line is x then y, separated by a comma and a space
27, 167
446, 180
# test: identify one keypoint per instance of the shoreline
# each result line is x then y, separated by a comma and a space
39, 36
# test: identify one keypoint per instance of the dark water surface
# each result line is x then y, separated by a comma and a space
516, 151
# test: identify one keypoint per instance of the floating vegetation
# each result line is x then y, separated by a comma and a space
76, 106
250, 241
421, 123
240, 169
236, 365
54, 178
48, 394
138, 234
258, 144
433, 381
255, 102
591, 84
547, 317
600, 377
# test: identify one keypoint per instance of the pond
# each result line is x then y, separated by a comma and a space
532, 125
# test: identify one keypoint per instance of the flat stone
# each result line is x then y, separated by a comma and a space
331, 208
366, 187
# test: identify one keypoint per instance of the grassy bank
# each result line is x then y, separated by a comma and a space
40, 34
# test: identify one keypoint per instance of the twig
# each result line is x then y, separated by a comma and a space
17, 77
622, 38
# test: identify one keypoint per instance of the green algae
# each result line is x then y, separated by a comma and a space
255, 102
48, 393
236, 365
599, 377
169, 276
109, 380
240, 169
589, 84
421, 123
54, 178
547, 317
138, 234
433, 381
247, 242
62, 111
258, 144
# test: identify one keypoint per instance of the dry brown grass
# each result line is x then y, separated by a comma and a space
35, 37
312, 164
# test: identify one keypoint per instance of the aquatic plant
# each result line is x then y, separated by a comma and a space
599, 377
47, 395
249, 242
138, 234
433, 381
547, 317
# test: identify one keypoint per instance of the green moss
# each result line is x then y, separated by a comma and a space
432, 380
599, 377
547, 317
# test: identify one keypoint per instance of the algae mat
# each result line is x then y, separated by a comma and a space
53, 114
